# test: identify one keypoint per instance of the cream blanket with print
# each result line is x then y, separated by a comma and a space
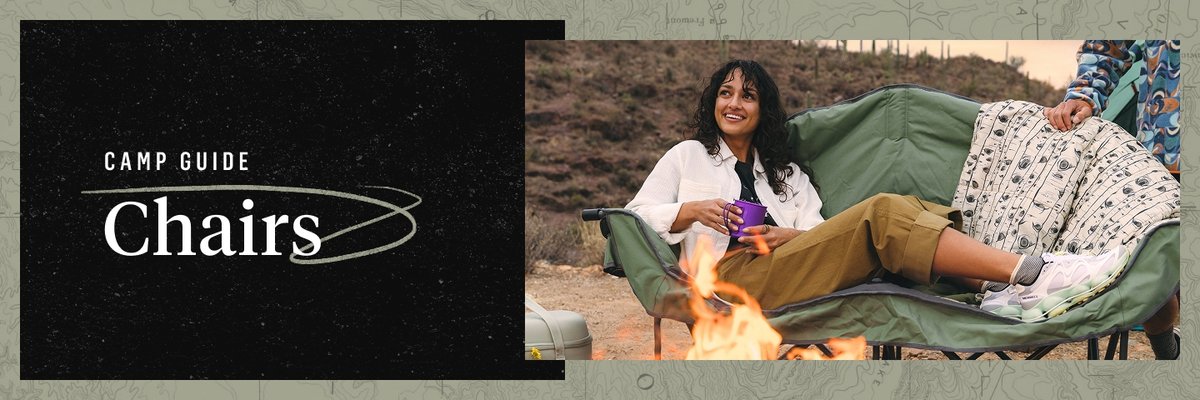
1029, 188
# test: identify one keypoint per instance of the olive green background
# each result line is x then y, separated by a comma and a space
651, 19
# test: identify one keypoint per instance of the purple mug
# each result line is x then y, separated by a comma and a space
753, 214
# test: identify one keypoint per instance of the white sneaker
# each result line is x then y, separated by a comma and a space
1004, 303
1067, 281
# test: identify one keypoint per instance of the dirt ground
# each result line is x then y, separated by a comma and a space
621, 330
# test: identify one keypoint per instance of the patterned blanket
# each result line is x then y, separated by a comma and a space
1029, 188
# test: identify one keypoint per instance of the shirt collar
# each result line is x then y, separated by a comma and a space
726, 155
758, 167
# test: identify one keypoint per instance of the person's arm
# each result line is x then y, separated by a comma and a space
710, 212
657, 202
1101, 64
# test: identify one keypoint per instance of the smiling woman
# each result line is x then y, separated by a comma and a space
737, 111
738, 153
739, 136
741, 107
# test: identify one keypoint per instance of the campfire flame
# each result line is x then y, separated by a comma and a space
743, 333
842, 349
760, 244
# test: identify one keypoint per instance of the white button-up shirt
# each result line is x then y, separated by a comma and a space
688, 173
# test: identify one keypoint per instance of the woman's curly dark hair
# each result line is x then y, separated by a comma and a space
770, 138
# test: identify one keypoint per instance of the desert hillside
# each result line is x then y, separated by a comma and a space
599, 114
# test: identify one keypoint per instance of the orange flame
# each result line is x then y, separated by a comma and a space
760, 244
842, 349
743, 333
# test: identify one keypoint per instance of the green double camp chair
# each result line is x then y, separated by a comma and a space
910, 140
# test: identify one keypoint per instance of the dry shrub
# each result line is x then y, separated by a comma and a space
543, 241
591, 243
579, 243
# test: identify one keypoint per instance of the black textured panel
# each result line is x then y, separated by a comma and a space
432, 108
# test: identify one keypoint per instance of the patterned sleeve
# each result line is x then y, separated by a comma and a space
1101, 63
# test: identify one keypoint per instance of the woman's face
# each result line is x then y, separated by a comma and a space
736, 109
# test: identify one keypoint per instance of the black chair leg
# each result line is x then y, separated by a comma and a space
657, 338
824, 350
1125, 345
1112, 346
1040, 352
891, 352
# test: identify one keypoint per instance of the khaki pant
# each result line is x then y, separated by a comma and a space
885, 233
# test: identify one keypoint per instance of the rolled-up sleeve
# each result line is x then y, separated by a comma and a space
658, 200
1101, 64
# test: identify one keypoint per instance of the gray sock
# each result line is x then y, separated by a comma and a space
1164, 345
994, 286
1028, 270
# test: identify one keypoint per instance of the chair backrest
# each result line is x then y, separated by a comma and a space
904, 139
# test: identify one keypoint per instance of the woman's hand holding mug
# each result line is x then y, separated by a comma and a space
710, 213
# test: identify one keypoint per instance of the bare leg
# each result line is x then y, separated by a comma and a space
959, 255
969, 283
